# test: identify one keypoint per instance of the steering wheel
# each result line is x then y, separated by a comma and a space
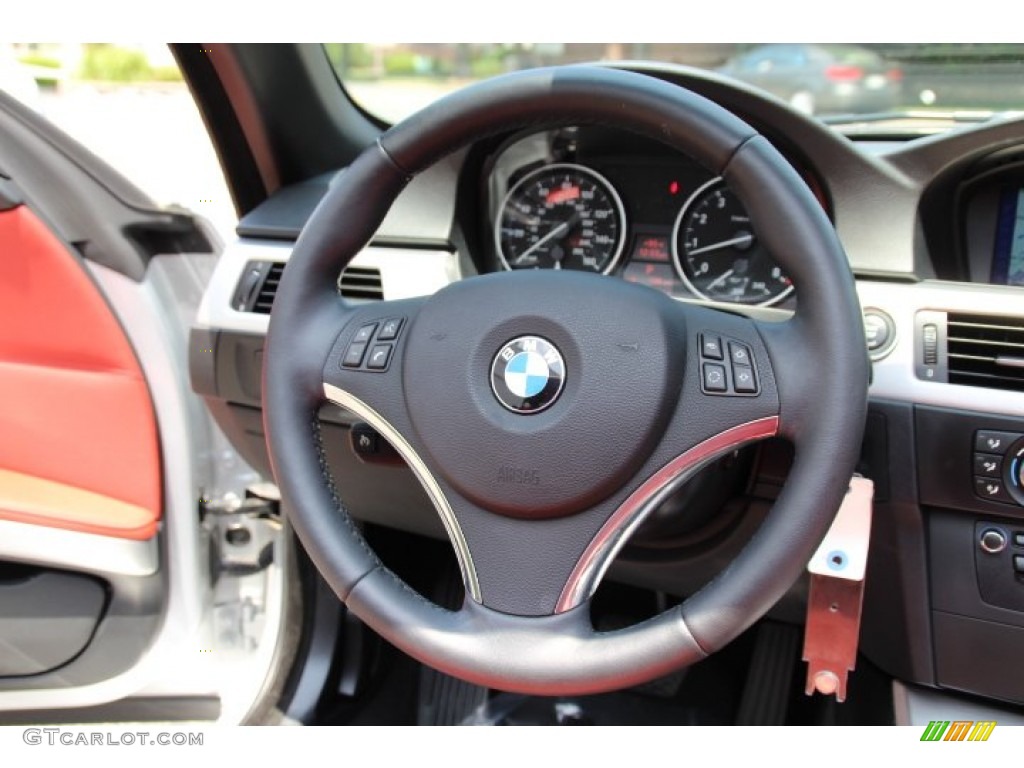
546, 413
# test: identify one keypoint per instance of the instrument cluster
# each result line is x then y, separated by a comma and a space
603, 201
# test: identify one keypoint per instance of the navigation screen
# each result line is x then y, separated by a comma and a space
1008, 261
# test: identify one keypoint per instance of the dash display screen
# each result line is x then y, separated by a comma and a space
1008, 259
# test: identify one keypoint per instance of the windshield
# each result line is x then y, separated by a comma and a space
833, 82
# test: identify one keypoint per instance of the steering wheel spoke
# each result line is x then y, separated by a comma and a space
363, 375
727, 399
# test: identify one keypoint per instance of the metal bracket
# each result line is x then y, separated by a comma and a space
837, 594
242, 532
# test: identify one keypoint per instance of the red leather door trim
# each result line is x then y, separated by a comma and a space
74, 405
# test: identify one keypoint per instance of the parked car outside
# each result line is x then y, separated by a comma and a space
821, 79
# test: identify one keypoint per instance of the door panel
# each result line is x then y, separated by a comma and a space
79, 448
50, 618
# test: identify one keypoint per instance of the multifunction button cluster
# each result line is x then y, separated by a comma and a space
372, 345
726, 366
999, 564
998, 466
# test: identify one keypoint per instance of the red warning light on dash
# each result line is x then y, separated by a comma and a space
562, 195
651, 248
658, 276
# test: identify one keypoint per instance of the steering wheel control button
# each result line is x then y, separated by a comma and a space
354, 355
743, 379
990, 441
739, 353
710, 346
714, 378
738, 378
527, 374
379, 357
988, 465
390, 329
364, 334
1018, 539
1018, 563
992, 489
992, 541
365, 440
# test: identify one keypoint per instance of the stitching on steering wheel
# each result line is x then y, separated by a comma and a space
333, 489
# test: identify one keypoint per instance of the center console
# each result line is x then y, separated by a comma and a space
970, 483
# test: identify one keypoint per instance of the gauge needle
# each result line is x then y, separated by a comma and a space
558, 231
741, 240
724, 276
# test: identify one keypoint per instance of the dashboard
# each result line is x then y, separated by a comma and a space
933, 228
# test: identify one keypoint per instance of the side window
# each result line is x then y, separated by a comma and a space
128, 104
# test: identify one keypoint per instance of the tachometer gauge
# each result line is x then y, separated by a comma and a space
561, 216
716, 252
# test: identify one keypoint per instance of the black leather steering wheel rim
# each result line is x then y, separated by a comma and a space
814, 373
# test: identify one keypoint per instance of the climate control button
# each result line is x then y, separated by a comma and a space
991, 441
992, 489
988, 465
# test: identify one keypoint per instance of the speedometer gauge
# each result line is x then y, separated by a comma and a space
562, 216
717, 254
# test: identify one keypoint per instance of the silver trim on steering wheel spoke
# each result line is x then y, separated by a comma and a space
352, 403
601, 551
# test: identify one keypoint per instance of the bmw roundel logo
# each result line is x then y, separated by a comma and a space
527, 374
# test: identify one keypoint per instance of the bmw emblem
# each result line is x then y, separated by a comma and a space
527, 374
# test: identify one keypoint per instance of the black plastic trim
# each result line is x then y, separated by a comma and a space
85, 201
322, 619
49, 618
125, 632
10, 195
283, 215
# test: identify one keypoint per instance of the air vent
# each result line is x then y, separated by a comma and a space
361, 283
268, 289
258, 285
986, 351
